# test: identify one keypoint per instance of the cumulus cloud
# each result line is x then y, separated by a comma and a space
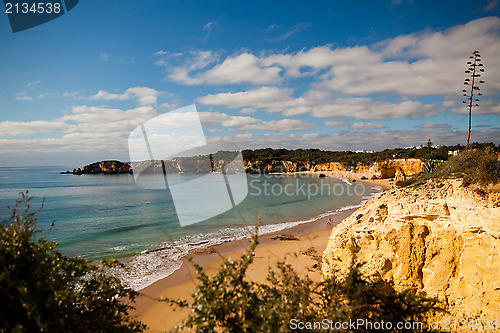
143, 95
84, 126
354, 140
321, 104
245, 123
335, 123
364, 125
21, 128
269, 98
487, 106
415, 65
243, 68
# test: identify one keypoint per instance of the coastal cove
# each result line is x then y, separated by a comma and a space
271, 249
115, 219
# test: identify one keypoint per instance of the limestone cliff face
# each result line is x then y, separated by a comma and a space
440, 239
399, 168
332, 166
390, 168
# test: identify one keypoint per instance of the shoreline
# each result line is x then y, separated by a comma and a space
161, 317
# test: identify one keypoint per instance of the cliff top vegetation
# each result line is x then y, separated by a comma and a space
317, 156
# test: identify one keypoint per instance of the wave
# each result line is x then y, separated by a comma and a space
150, 266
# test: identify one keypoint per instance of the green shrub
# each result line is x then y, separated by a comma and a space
475, 167
41, 290
227, 302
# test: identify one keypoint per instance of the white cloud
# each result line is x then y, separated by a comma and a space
208, 27
283, 125
47, 95
104, 56
243, 68
21, 128
144, 95
22, 96
364, 125
247, 111
169, 106
410, 66
322, 57
33, 83
353, 140
319, 104
71, 93
335, 123
487, 106
245, 123
84, 122
367, 108
291, 31
270, 98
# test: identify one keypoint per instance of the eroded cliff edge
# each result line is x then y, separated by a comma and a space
440, 238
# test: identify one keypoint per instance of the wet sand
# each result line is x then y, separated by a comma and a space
161, 317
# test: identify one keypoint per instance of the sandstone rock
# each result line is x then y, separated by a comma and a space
106, 167
378, 170
399, 175
440, 239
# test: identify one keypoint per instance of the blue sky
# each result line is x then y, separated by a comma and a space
334, 75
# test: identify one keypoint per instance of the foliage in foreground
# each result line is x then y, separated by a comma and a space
476, 167
43, 291
227, 302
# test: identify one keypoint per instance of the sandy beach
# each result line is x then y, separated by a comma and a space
161, 317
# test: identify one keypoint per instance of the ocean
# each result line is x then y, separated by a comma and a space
109, 216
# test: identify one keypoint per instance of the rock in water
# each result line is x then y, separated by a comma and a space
106, 167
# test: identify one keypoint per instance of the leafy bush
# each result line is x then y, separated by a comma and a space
43, 291
476, 167
227, 302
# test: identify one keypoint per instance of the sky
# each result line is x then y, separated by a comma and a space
334, 75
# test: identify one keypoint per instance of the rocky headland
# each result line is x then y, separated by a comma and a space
104, 167
399, 169
440, 239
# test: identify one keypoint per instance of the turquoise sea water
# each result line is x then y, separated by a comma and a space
109, 216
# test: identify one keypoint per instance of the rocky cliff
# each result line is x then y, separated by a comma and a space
106, 167
397, 168
441, 239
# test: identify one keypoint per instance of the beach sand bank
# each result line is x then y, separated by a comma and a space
161, 317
